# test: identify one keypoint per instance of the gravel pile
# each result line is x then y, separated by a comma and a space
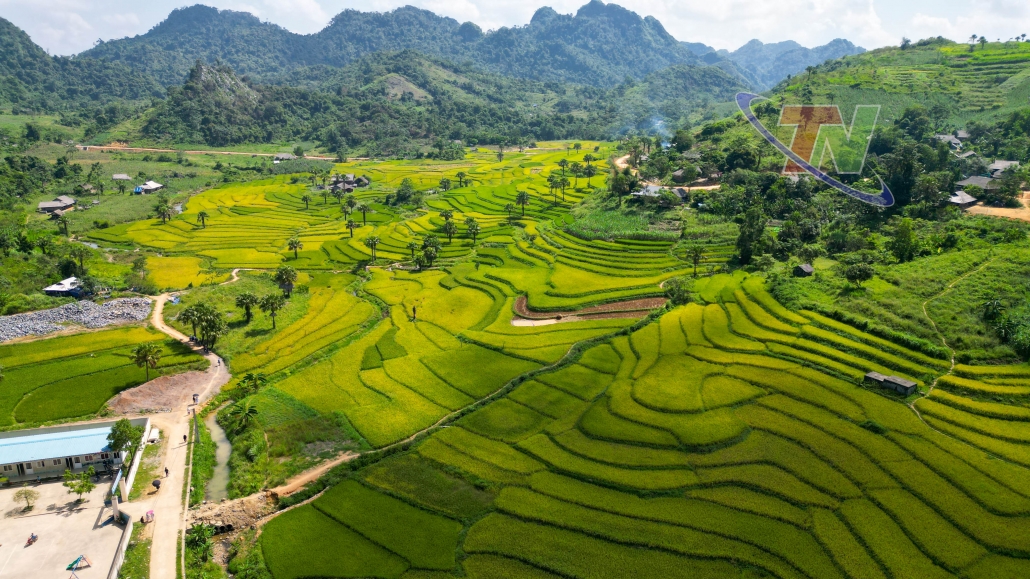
85, 313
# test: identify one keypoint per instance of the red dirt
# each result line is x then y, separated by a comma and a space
624, 309
159, 395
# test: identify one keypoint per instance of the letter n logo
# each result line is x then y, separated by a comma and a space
821, 138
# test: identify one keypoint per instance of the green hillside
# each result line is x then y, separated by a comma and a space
959, 85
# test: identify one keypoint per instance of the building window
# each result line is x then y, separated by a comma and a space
89, 458
7, 468
41, 464
57, 462
28, 465
105, 455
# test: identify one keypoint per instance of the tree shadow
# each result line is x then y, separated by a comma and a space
254, 332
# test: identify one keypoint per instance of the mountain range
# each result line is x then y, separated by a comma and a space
601, 45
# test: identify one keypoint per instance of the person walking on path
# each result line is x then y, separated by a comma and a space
166, 472
184, 439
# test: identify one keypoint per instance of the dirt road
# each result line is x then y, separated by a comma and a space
167, 503
147, 150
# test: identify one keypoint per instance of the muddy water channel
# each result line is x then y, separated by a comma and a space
217, 487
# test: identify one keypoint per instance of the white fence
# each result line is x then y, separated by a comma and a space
119, 555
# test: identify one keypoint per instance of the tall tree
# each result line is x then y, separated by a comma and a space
307, 200
473, 230
364, 209
271, 304
351, 225
751, 232
247, 301
64, 221
295, 245
449, 229
696, 253
147, 356
202, 218
522, 198
285, 276
372, 242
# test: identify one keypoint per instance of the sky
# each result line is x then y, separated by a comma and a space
67, 27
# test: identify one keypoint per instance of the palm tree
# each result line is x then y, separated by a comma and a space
564, 164
447, 214
371, 242
63, 221
563, 183
307, 200
696, 253
578, 147
522, 199
350, 203
245, 300
325, 196
243, 415
577, 170
146, 356
589, 171
445, 184
473, 230
449, 229
983, 42
191, 315
251, 383
508, 209
352, 226
991, 309
500, 156
461, 178
338, 195
413, 246
164, 211
364, 209
294, 244
285, 276
202, 218
121, 187
271, 304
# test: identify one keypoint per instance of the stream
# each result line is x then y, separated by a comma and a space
217, 487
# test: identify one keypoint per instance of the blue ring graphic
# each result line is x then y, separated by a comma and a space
884, 199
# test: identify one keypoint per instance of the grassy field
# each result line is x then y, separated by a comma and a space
74, 376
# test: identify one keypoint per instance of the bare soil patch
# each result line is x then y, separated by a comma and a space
1020, 213
159, 395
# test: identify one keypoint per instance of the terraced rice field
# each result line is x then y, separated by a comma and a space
73, 376
730, 437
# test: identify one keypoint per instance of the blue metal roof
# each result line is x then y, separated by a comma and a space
54, 445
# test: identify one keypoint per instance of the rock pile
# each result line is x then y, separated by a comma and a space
84, 313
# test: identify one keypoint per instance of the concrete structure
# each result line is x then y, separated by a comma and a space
962, 200
804, 270
41, 453
66, 529
895, 383
69, 287
121, 177
283, 157
61, 203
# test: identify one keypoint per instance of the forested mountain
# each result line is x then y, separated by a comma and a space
600, 45
31, 78
767, 64
387, 103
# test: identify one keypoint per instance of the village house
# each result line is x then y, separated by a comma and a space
804, 270
895, 383
979, 181
70, 287
996, 168
962, 200
951, 140
62, 203
148, 187
48, 452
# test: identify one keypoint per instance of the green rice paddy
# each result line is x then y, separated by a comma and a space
730, 437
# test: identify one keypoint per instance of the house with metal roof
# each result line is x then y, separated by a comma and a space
895, 383
40, 453
59, 204
69, 287
962, 200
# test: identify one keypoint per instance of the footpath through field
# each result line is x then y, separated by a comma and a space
167, 503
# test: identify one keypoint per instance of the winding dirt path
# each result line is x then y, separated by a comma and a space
167, 504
